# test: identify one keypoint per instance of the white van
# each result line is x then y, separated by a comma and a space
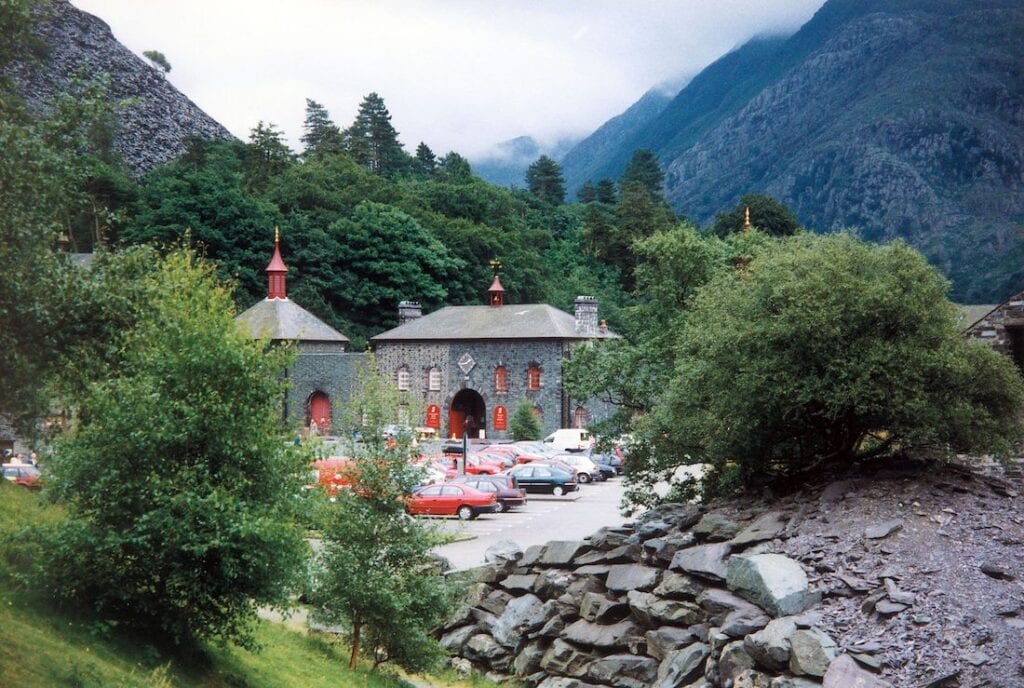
570, 439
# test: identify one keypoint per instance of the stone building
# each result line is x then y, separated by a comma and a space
1001, 327
320, 381
470, 365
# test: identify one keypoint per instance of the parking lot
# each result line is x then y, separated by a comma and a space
544, 518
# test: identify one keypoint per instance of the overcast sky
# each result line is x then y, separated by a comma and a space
459, 74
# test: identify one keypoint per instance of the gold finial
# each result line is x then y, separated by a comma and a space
495, 265
277, 235
746, 220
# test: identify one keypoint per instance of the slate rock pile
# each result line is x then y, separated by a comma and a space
685, 597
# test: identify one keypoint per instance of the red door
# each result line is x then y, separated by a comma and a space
456, 423
320, 412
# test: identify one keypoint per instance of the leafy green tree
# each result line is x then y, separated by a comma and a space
425, 158
637, 215
158, 59
587, 193
266, 156
178, 485
524, 424
373, 142
321, 136
643, 169
544, 180
605, 192
375, 573
824, 351
455, 169
767, 214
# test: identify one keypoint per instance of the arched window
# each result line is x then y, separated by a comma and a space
501, 379
533, 377
404, 379
434, 379
580, 417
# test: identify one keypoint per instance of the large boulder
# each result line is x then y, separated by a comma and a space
452, 641
568, 660
562, 552
680, 516
775, 583
483, 648
767, 526
597, 607
668, 639
662, 549
495, 602
653, 611
613, 636
733, 661
519, 582
624, 671
527, 662
679, 586
625, 577
522, 615
715, 527
719, 604
843, 672
770, 647
706, 561
682, 666
812, 652
503, 553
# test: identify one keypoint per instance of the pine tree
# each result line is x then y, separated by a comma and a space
321, 135
643, 169
524, 426
266, 156
605, 191
455, 169
587, 193
544, 179
373, 142
425, 158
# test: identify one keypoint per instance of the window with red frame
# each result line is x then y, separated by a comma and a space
501, 379
533, 378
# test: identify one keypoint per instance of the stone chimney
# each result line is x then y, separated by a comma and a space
586, 316
409, 311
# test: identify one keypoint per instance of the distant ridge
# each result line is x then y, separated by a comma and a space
151, 131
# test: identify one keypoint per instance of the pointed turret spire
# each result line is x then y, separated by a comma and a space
276, 270
746, 220
496, 293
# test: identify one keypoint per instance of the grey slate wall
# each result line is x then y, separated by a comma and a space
321, 367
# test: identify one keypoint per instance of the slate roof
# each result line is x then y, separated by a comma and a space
511, 321
285, 319
971, 314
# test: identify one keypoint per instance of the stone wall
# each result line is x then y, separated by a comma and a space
325, 368
992, 329
682, 599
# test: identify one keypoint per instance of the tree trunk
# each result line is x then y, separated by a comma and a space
357, 627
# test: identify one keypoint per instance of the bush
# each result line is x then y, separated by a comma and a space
524, 424
823, 351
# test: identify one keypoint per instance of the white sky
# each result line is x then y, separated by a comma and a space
459, 74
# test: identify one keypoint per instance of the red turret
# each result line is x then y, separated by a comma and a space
497, 293
275, 271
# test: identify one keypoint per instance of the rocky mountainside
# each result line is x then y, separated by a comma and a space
153, 127
901, 118
904, 575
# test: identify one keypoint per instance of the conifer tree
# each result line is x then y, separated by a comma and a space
266, 156
544, 180
321, 135
587, 193
425, 158
524, 425
605, 191
373, 142
455, 168
643, 169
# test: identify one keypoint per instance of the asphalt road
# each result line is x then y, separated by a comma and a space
544, 518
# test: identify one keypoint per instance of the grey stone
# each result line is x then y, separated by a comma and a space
733, 661
653, 611
564, 682
812, 651
461, 666
884, 529
609, 538
528, 660
503, 552
679, 516
495, 601
706, 561
843, 672
552, 629
624, 671
751, 678
619, 555
593, 570
563, 658
662, 549
531, 555
743, 622
624, 577
767, 526
653, 529
667, 639
719, 603
887, 608
715, 527
775, 583
482, 647
485, 619
580, 585
610, 636
771, 647
522, 615
562, 552
519, 582
682, 665
454, 640
793, 682
597, 607
994, 570
679, 586
553, 583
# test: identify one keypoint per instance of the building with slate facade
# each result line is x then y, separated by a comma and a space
467, 366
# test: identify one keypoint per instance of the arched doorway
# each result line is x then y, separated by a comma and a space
319, 413
467, 413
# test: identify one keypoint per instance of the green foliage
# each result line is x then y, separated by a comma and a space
373, 142
375, 573
425, 158
544, 180
266, 156
823, 351
605, 192
175, 476
524, 424
321, 135
158, 59
766, 214
644, 169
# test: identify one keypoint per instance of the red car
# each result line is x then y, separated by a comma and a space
26, 475
449, 499
332, 474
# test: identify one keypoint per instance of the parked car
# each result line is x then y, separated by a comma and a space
504, 488
586, 468
332, 474
23, 474
451, 499
542, 478
504, 460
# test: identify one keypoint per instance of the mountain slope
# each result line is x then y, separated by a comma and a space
153, 128
901, 118
506, 164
